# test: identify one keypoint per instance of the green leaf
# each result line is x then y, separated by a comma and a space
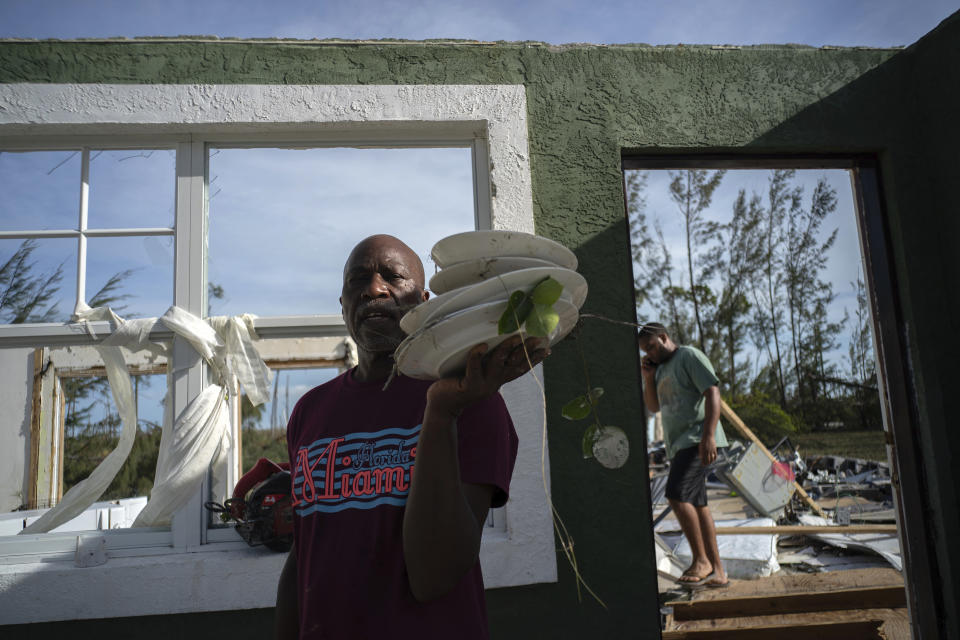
590, 436
595, 394
547, 292
576, 409
542, 320
511, 320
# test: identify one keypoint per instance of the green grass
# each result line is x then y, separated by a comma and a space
868, 445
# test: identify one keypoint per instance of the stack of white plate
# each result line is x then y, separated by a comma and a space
478, 272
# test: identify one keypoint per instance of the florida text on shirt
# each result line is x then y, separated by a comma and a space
354, 471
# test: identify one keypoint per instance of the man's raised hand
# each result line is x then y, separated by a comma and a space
487, 372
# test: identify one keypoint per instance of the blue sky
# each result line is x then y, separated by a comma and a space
878, 23
314, 193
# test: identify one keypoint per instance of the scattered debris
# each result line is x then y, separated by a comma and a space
780, 517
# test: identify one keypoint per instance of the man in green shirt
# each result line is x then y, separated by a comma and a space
680, 383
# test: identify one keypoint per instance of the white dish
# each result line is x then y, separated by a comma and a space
612, 448
473, 245
496, 288
462, 274
441, 350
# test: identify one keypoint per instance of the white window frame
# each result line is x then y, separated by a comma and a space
491, 120
82, 232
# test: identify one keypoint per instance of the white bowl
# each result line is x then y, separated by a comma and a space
496, 288
470, 272
441, 350
473, 245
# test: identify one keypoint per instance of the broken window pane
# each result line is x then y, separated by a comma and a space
92, 429
60, 423
264, 428
310, 207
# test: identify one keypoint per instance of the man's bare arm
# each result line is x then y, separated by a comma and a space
443, 520
711, 409
648, 371
287, 616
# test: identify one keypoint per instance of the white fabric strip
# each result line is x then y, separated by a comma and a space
201, 433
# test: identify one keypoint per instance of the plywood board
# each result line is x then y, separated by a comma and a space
887, 597
893, 624
845, 630
805, 583
800, 530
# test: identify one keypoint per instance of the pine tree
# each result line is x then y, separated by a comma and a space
24, 295
808, 296
735, 259
767, 294
692, 191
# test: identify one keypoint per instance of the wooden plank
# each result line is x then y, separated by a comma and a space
896, 623
793, 530
804, 583
33, 490
889, 597
735, 420
860, 629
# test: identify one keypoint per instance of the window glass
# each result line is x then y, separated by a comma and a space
282, 221
132, 188
38, 280
41, 190
133, 275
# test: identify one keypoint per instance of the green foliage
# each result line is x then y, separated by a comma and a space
692, 191
764, 417
263, 443
590, 437
758, 275
542, 320
547, 292
581, 406
532, 310
866, 445
251, 414
83, 452
26, 296
518, 307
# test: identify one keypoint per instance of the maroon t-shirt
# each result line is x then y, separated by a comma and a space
352, 452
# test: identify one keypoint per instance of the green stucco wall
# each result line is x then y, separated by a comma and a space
586, 106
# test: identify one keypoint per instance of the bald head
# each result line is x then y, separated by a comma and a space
384, 245
382, 280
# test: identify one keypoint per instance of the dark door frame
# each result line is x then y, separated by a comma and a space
898, 393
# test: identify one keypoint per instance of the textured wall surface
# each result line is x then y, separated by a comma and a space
586, 106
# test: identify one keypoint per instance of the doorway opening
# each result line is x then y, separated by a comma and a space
775, 270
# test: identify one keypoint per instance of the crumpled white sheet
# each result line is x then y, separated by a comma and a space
885, 545
201, 434
745, 557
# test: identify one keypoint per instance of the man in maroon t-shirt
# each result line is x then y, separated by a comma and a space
378, 549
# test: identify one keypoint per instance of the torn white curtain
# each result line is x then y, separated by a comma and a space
201, 432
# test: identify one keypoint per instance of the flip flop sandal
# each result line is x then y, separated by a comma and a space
717, 585
695, 584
